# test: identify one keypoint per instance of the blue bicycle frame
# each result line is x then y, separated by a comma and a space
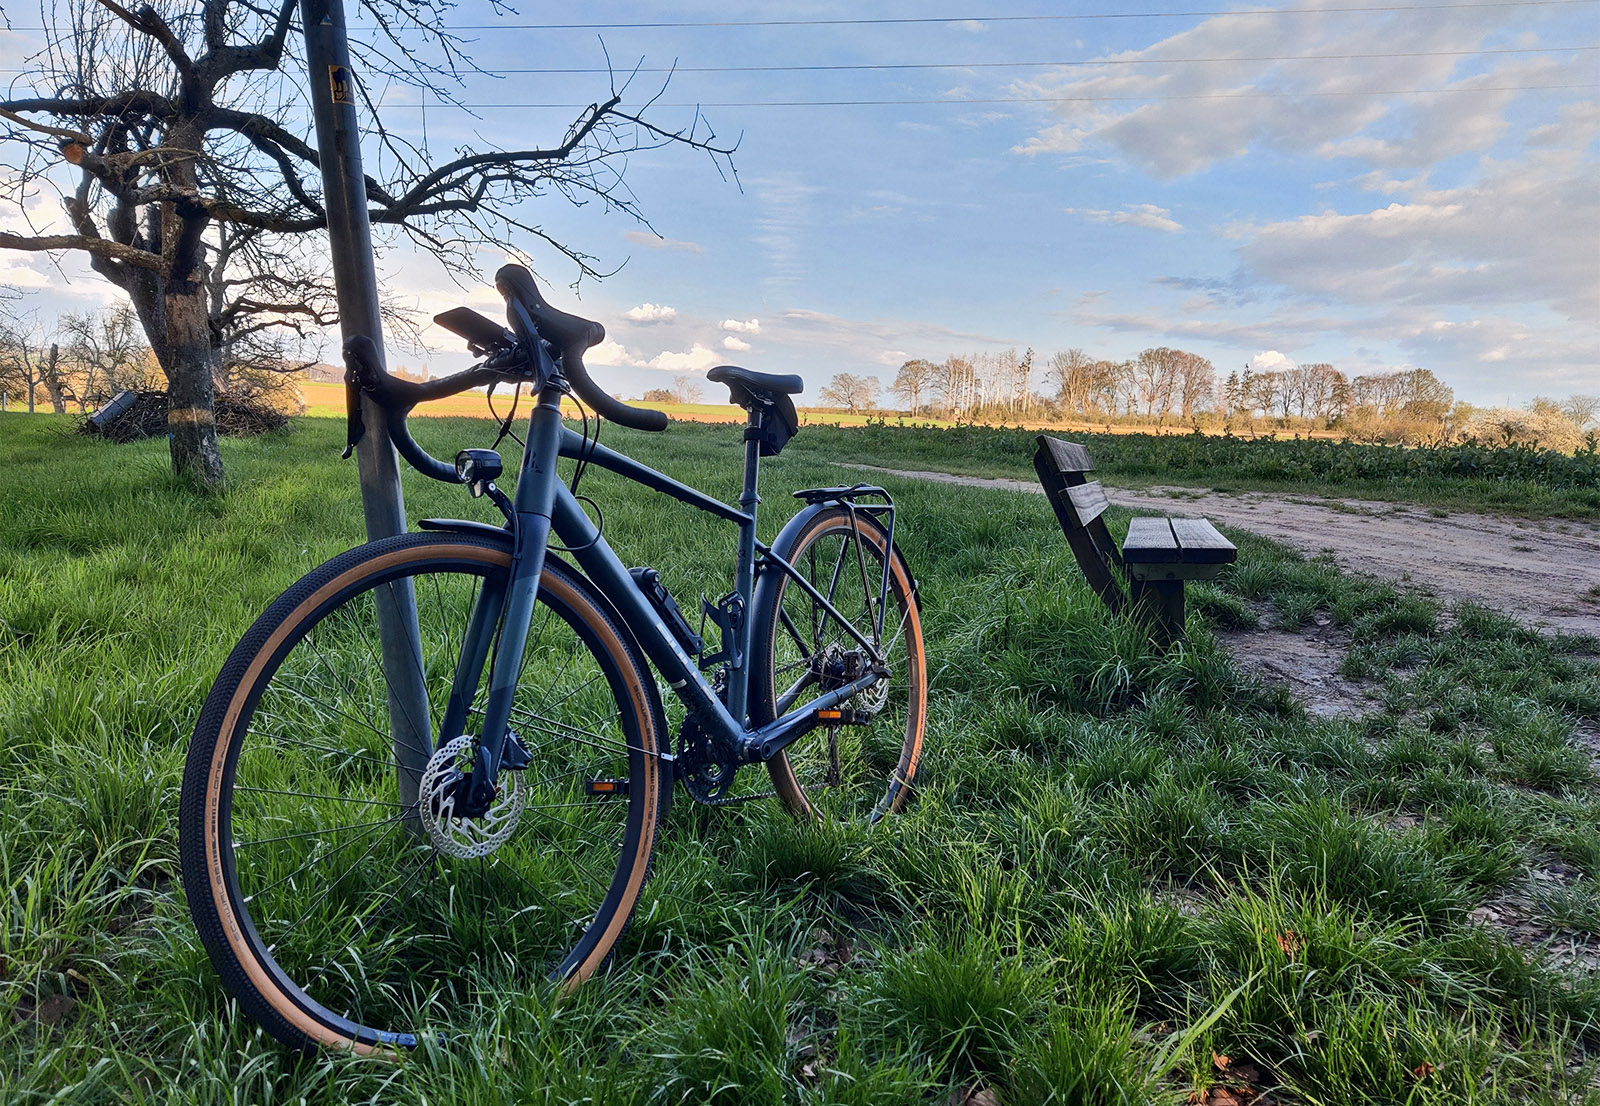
543, 504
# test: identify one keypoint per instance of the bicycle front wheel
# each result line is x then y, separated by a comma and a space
332, 909
802, 645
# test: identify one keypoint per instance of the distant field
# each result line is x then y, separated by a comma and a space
327, 400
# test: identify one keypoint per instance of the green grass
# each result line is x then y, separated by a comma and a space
1119, 862
1531, 483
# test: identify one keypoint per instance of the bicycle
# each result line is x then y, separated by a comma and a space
349, 844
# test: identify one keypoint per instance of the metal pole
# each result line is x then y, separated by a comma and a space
355, 280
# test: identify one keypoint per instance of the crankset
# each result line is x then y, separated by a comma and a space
705, 775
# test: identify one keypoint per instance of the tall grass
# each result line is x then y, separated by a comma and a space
1120, 863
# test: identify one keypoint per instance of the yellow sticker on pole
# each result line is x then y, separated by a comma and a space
339, 81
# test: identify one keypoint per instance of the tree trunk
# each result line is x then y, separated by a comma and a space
191, 394
52, 380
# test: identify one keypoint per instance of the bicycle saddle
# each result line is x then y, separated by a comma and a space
766, 387
768, 391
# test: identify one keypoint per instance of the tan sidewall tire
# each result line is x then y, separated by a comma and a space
788, 788
217, 915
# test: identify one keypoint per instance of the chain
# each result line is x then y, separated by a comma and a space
735, 800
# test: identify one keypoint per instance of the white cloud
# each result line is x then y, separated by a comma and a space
1329, 90
609, 352
1270, 361
651, 313
697, 359
1524, 233
1148, 216
746, 326
738, 345
657, 242
971, 26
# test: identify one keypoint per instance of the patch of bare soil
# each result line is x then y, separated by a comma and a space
1518, 915
1540, 571
1306, 661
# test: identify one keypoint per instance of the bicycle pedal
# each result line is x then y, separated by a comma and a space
843, 717
605, 787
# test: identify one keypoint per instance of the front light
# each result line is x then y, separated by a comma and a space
477, 468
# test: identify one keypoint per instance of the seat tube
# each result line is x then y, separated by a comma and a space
745, 569
534, 503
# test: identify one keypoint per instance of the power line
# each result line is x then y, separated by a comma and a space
931, 19
895, 66
1052, 18
1074, 62
1018, 99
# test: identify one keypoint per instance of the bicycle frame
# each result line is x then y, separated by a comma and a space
543, 504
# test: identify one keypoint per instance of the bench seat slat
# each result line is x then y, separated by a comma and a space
1088, 501
1151, 542
1202, 543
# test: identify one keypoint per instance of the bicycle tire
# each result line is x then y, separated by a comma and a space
889, 749
396, 965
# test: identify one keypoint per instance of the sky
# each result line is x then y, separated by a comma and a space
1378, 186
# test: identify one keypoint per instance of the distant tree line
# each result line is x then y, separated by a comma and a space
1164, 386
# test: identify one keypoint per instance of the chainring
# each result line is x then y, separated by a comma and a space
461, 837
704, 776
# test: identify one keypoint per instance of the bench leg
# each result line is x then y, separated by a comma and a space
1161, 601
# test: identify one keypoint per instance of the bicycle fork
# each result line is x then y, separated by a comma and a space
508, 604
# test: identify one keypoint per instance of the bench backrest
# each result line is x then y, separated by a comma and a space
1079, 503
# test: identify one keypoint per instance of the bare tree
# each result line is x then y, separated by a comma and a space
1195, 383
107, 352
913, 382
687, 389
1325, 391
162, 128
1582, 410
957, 385
1155, 380
856, 393
22, 368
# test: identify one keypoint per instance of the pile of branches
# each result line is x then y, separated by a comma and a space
147, 418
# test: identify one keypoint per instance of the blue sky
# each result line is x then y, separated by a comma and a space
1252, 187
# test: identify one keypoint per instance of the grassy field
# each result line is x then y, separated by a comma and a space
1527, 482
1126, 877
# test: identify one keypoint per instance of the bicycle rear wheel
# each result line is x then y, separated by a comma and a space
800, 650
330, 915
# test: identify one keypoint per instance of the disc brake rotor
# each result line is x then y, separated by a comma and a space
456, 835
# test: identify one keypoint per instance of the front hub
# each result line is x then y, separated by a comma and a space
457, 826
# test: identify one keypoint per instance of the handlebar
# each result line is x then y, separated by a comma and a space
573, 336
533, 323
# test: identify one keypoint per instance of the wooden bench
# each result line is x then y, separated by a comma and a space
1157, 557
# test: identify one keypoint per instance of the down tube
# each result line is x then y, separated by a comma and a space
600, 562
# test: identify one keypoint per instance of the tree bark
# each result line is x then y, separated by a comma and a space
191, 425
52, 380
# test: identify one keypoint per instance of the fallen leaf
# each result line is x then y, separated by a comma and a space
1221, 1061
975, 1095
1289, 941
1423, 1070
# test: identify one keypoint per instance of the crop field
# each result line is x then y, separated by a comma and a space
1126, 875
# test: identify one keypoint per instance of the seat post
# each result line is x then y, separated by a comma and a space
752, 459
745, 570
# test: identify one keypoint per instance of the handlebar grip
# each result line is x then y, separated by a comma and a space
573, 336
397, 397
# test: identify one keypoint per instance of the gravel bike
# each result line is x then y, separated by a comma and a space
361, 849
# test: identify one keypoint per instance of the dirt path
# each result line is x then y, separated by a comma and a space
1537, 570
